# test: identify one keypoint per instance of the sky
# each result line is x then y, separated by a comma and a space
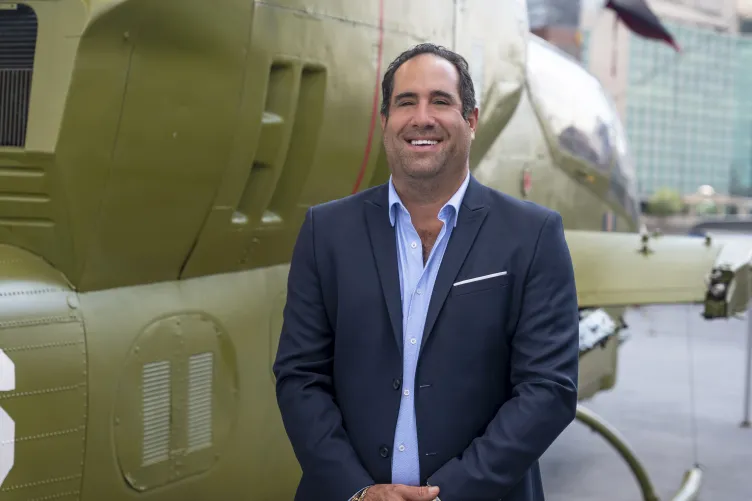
744, 6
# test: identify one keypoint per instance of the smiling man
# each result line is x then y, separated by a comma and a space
430, 335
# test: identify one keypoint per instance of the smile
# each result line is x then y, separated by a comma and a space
422, 143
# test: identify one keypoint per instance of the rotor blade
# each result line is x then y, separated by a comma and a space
639, 18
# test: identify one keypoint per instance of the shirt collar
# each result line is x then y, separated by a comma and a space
395, 203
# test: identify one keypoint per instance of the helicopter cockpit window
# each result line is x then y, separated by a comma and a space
581, 119
571, 103
18, 40
624, 176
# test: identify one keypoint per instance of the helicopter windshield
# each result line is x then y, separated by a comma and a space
624, 177
580, 117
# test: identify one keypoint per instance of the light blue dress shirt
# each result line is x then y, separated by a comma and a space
417, 283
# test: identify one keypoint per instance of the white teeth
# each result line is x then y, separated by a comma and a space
418, 142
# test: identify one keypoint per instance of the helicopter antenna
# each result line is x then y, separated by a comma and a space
683, 157
692, 395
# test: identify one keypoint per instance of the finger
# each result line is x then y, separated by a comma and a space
421, 493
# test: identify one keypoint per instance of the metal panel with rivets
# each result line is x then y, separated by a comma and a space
43, 380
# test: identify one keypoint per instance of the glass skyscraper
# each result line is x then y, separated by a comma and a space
684, 110
741, 168
689, 114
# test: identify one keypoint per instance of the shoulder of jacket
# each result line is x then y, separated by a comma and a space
342, 206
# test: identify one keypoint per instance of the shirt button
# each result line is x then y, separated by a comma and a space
407, 393
413, 341
414, 245
402, 448
419, 292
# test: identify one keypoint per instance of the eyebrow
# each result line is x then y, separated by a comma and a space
435, 93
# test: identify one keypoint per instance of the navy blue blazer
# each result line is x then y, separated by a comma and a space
496, 381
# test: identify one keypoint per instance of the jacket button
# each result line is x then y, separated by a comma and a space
384, 451
396, 384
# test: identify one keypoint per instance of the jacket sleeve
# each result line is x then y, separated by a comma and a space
303, 371
544, 370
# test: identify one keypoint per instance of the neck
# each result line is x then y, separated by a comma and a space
424, 198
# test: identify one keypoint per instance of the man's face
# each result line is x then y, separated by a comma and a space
426, 133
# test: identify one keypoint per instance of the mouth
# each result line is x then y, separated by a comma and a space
423, 144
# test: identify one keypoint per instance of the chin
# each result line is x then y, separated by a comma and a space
423, 171
423, 168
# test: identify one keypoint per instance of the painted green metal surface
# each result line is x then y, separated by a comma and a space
43, 334
642, 270
147, 222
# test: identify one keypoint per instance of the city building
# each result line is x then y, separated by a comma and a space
688, 114
744, 13
558, 22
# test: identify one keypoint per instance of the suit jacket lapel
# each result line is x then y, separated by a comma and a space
471, 215
384, 246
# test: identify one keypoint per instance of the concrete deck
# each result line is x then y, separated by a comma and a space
650, 406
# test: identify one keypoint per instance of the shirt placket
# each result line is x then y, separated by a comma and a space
411, 341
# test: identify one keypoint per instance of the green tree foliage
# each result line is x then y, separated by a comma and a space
706, 207
665, 202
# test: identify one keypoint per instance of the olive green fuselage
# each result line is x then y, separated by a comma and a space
148, 214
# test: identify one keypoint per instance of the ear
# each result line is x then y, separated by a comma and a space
472, 119
383, 122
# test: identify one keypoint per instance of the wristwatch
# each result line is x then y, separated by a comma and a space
360, 496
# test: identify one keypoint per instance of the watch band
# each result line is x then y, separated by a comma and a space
362, 494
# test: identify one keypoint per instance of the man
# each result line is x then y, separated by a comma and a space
464, 382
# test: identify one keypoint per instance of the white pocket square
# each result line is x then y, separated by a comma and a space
484, 277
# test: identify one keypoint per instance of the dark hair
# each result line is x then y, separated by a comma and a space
466, 90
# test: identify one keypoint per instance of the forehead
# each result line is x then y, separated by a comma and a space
426, 73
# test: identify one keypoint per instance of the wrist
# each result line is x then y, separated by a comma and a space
361, 494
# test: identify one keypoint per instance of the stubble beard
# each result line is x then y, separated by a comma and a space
425, 175
425, 168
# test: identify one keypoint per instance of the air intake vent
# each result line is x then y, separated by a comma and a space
200, 374
290, 127
183, 368
18, 39
156, 413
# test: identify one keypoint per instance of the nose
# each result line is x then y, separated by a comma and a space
422, 116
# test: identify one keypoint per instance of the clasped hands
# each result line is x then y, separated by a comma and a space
399, 492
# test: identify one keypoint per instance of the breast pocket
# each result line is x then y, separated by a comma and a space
476, 312
481, 283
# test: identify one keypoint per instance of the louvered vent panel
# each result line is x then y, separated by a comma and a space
156, 412
18, 38
200, 373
